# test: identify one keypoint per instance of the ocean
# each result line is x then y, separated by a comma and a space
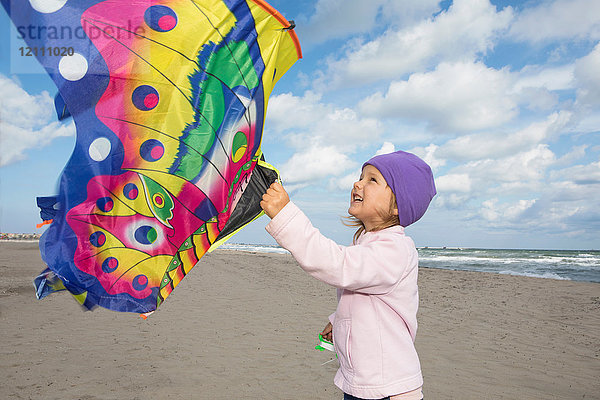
575, 265
572, 265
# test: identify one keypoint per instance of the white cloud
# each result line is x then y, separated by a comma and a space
574, 154
466, 29
504, 213
465, 96
320, 135
453, 183
520, 174
22, 109
501, 144
26, 121
587, 122
453, 97
386, 147
313, 164
341, 18
562, 207
287, 110
526, 166
580, 174
514, 181
578, 195
15, 141
346, 182
588, 78
562, 19
430, 156
537, 85
538, 99
550, 78
307, 119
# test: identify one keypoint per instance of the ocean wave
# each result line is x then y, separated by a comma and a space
587, 255
255, 248
545, 275
545, 260
548, 264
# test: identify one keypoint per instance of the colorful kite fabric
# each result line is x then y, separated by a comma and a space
169, 99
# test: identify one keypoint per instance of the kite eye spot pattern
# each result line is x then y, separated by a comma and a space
239, 146
130, 191
73, 68
140, 282
160, 18
145, 234
158, 200
152, 150
47, 6
167, 22
105, 204
151, 100
97, 239
145, 97
110, 265
99, 149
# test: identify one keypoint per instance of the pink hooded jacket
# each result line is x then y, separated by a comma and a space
375, 323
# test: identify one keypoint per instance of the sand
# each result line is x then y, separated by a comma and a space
244, 325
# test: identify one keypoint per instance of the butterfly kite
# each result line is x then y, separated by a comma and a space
169, 99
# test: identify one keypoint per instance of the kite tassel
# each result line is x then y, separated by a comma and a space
46, 222
146, 315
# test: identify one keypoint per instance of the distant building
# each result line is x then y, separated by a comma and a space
19, 236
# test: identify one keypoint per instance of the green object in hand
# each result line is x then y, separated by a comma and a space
324, 344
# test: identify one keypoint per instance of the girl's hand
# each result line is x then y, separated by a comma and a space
274, 200
328, 332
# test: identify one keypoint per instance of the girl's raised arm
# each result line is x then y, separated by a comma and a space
374, 267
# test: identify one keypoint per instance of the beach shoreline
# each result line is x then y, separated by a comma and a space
244, 325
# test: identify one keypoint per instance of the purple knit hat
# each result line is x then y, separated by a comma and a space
411, 180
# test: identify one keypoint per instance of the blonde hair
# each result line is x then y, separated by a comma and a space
389, 219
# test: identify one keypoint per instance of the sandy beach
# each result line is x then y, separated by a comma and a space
244, 325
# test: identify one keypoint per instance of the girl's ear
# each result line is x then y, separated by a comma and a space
395, 211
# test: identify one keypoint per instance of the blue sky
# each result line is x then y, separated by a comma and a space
502, 98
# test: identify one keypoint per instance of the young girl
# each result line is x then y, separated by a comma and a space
375, 323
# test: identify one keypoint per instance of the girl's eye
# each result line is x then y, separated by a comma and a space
373, 180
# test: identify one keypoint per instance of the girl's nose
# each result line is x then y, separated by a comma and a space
356, 185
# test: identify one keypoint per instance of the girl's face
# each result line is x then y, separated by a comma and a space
370, 198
